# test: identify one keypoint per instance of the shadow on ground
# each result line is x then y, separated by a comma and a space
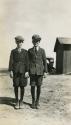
10, 101
7, 101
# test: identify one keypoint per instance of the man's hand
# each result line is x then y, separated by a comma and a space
26, 75
45, 75
11, 74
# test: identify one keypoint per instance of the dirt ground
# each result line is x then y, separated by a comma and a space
55, 102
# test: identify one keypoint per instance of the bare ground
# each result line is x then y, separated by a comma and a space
55, 103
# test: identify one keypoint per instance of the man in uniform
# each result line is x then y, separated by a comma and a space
18, 67
37, 68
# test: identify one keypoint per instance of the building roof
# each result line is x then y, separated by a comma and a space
61, 41
64, 40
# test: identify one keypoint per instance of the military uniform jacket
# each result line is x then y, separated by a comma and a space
18, 61
37, 61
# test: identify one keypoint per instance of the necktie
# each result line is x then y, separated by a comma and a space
35, 50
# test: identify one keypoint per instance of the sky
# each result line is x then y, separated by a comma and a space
48, 18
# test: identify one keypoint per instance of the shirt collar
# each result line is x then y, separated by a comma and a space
37, 47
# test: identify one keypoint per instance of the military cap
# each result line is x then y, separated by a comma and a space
36, 37
19, 38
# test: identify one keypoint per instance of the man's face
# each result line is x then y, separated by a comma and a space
36, 43
19, 44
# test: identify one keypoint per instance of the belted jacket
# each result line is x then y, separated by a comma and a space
18, 61
37, 61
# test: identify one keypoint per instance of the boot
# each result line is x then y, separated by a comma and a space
37, 105
33, 104
33, 97
16, 97
17, 105
21, 105
21, 97
38, 96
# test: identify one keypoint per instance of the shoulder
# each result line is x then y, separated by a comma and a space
42, 49
13, 50
24, 50
29, 50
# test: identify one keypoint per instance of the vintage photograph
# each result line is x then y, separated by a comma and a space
35, 62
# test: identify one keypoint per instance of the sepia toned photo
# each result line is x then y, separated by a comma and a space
35, 62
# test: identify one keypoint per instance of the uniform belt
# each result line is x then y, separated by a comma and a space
19, 62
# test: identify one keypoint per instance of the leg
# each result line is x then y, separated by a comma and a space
21, 93
33, 96
39, 83
16, 93
38, 96
38, 92
21, 97
16, 96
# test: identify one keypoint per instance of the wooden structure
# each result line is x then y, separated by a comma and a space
63, 55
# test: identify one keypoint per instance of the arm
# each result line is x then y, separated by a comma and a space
11, 62
44, 62
11, 65
27, 65
27, 62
